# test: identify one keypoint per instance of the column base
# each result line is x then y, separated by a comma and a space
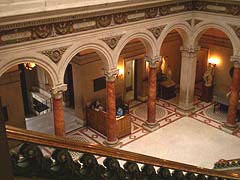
229, 128
185, 110
112, 143
151, 126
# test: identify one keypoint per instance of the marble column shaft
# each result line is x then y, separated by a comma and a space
188, 76
152, 95
58, 114
111, 112
233, 99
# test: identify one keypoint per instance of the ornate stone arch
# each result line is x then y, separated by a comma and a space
100, 47
146, 37
183, 28
200, 28
38, 59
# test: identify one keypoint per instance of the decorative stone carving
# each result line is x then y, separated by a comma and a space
152, 61
236, 61
112, 41
58, 90
104, 21
120, 18
42, 31
151, 12
55, 54
190, 52
236, 29
156, 31
59, 26
111, 74
63, 28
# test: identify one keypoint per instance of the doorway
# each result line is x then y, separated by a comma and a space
130, 81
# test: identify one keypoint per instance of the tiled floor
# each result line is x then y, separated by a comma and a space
197, 139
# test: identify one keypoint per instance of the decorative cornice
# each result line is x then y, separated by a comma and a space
58, 90
112, 41
60, 26
236, 29
55, 54
111, 74
156, 31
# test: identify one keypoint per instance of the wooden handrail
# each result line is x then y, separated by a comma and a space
73, 145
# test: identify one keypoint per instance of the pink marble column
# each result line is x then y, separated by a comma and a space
112, 133
58, 111
151, 123
234, 97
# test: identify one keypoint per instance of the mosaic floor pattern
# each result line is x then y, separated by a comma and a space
167, 113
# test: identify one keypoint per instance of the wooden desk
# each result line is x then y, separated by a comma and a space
98, 121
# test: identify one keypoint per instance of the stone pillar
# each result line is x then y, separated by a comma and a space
234, 95
58, 111
111, 125
188, 76
5, 161
151, 123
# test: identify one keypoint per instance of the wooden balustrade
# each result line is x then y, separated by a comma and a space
90, 164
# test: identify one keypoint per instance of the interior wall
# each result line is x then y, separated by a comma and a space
84, 72
171, 48
11, 95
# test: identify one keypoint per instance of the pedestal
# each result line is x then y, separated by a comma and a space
207, 93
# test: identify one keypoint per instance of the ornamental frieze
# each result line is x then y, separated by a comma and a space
55, 54
236, 29
112, 41
60, 26
156, 31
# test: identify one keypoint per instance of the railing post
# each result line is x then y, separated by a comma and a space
5, 161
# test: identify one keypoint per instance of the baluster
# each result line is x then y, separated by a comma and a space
164, 173
133, 171
114, 170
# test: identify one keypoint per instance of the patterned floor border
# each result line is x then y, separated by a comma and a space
90, 135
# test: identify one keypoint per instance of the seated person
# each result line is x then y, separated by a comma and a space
96, 105
119, 112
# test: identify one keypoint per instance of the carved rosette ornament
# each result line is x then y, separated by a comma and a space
151, 12
104, 21
164, 10
156, 31
55, 54
112, 41
43, 31
236, 29
63, 28
120, 18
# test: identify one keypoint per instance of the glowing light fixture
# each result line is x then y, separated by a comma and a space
214, 60
29, 65
120, 72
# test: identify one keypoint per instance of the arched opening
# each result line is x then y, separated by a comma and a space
24, 89
132, 80
170, 69
86, 84
213, 78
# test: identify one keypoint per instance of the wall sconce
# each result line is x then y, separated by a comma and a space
29, 66
120, 73
213, 61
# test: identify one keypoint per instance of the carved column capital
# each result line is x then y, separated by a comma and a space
111, 74
236, 61
190, 52
58, 90
153, 61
